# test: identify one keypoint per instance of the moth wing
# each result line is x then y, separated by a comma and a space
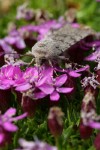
69, 35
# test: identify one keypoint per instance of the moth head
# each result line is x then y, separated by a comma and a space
45, 48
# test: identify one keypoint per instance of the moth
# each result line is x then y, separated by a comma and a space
57, 42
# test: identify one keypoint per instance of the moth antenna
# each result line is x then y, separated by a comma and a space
63, 58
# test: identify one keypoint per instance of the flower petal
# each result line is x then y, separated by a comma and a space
10, 40
10, 112
10, 127
8, 81
31, 73
64, 90
24, 87
95, 125
54, 96
19, 117
26, 144
60, 80
1, 137
74, 74
93, 56
39, 95
4, 87
48, 71
5, 46
46, 88
41, 81
9, 71
20, 43
83, 69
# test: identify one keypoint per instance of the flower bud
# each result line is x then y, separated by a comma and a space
29, 105
85, 131
55, 121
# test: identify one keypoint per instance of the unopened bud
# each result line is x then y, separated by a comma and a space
85, 131
55, 121
29, 106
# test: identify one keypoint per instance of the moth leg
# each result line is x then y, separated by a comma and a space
63, 58
51, 64
38, 62
66, 61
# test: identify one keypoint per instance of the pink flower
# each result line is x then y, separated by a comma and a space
39, 82
41, 29
33, 77
7, 126
15, 40
5, 47
53, 86
71, 72
8, 75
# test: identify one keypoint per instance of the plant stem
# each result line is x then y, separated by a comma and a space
58, 142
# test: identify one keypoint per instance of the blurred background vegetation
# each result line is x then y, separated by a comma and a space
88, 11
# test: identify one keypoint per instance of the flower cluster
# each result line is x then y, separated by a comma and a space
38, 82
41, 29
7, 126
8, 75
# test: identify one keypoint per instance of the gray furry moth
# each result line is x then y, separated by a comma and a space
57, 42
